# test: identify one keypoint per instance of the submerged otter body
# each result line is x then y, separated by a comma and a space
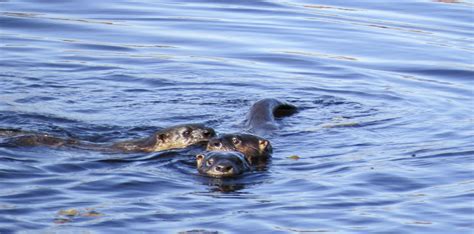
41, 139
222, 164
11, 132
175, 137
261, 117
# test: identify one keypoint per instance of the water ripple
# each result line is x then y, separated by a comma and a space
382, 141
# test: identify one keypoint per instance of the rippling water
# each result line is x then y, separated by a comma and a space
384, 134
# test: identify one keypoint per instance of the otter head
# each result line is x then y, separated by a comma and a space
181, 136
221, 164
255, 149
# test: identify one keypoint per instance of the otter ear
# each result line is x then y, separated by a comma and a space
199, 159
263, 144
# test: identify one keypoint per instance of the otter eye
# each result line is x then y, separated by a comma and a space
235, 140
186, 133
209, 162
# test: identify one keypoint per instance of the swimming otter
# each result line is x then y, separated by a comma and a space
260, 119
222, 164
262, 114
256, 150
175, 137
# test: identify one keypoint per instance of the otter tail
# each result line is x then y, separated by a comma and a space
284, 109
262, 114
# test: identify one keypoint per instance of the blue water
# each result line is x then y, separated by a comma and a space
384, 133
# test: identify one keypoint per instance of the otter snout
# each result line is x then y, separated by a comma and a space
224, 167
208, 133
203, 134
221, 164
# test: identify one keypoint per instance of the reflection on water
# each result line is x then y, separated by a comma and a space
383, 141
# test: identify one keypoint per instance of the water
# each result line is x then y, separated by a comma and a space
384, 133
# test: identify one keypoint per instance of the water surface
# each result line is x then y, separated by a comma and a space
384, 134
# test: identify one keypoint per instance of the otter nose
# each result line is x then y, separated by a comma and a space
208, 132
223, 168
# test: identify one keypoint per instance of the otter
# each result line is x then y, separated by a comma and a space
261, 117
221, 164
175, 137
256, 150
